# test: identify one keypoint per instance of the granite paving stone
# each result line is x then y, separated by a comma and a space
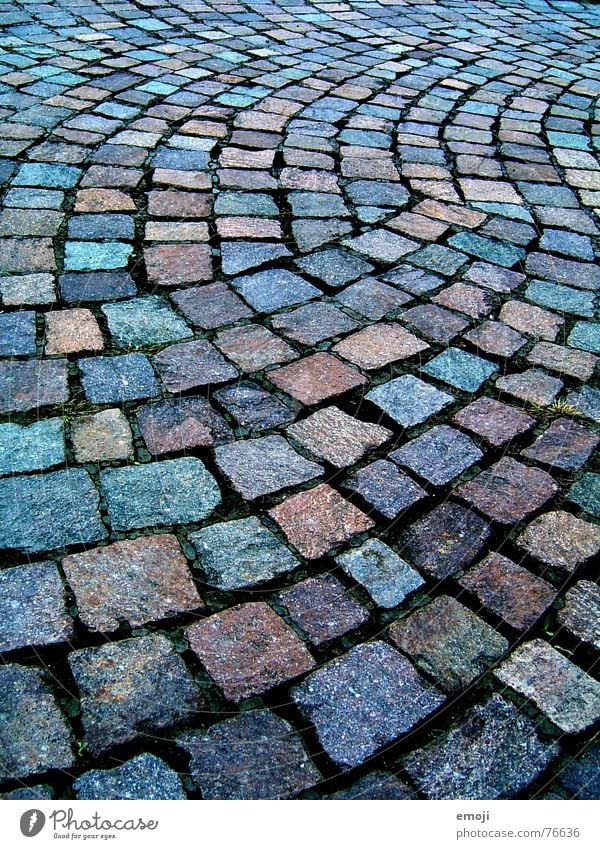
439, 455
449, 643
144, 321
509, 491
131, 685
564, 445
181, 423
385, 488
496, 422
493, 754
336, 437
142, 777
210, 306
509, 590
263, 466
171, 492
564, 693
253, 407
48, 511
248, 649
567, 361
371, 298
586, 401
36, 735
533, 386
580, 775
189, 365
313, 323
101, 436
434, 322
387, 577
298, 313
376, 785
379, 345
581, 613
31, 448
32, 607
317, 520
561, 540
446, 540
316, 378
269, 290
253, 347
31, 384
133, 581
17, 334
322, 608
409, 400
460, 369
364, 700
113, 380
254, 755
586, 493
239, 554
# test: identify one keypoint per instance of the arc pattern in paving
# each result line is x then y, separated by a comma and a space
298, 400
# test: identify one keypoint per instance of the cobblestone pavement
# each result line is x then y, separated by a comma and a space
298, 399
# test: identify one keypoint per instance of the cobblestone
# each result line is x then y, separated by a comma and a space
298, 319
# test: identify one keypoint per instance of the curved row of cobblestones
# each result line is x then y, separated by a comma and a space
298, 400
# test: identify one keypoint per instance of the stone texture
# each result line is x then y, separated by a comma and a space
133, 581
263, 466
142, 777
446, 540
561, 540
449, 643
33, 448
31, 384
564, 445
581, 613
253, 347
509, 590
251, 756
439, 455
35, 736
131, 688
189, 365
409, 400
181, 424
32, 607
379, 345
316, 378
317, 520
252, 407
336, 437
248, 649
239, 554
101, 436
44, 512
387, 578
493, 754
383, 486
322, 608
496, 422
562, 691
171, 492
509, 491
71, 331
364, 700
